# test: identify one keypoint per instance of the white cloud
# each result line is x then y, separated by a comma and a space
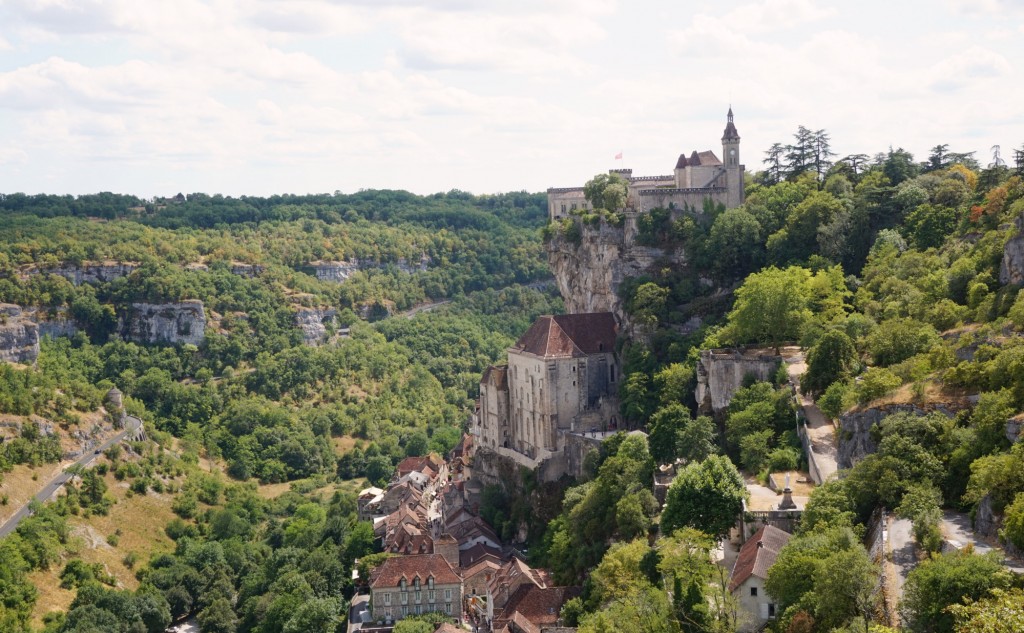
968, 67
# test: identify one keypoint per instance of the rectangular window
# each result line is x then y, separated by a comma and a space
419, 609
387, 598
448, 608
563, 208
448, 595
405, 611
753, 591
771, 610
419, 596
430, 595
405, 598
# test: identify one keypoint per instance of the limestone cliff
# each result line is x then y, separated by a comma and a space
182, 322
1012, 269
313, 322
340, 271
89, 272
721, 372
19, 336
589, 274
855, 437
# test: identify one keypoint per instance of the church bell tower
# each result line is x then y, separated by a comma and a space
731, 143
731, 161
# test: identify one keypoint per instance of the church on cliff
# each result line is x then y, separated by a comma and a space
556, 397
697, 177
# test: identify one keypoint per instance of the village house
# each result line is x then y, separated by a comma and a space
749, 573
413, 585
532, 608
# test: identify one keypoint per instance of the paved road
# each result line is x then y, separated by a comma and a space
131, 425
958, 531
820, 431
904, 557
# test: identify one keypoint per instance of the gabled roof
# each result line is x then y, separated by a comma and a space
496, 375
758, 555
423, 566
570, 335
469, 557
538, 605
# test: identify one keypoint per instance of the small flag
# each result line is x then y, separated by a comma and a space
618, 156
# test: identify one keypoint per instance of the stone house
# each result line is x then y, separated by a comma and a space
416, 584
756, 557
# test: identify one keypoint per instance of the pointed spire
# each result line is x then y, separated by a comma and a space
730, 128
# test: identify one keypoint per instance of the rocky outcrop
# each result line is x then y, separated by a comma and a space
855, 438
53, 322
175, 323
246, 270
1013, 428
988, 523
314, 323
340, 271
19, 336
721, 372
90, 272
1011, 271
589, 273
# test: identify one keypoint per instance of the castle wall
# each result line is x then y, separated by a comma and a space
562, 201
494, 416
680, 198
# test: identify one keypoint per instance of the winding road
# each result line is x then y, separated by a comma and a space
131, 425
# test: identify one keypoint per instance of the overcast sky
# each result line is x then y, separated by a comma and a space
261, 96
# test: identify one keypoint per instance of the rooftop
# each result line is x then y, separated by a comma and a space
758, 555
570, 335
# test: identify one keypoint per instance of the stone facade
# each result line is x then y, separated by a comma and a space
562, 378
721, 372
699, 177
412, 585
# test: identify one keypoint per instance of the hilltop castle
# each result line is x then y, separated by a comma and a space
696, 177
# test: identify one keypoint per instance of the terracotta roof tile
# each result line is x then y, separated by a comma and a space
758, 554
570, 335
423, 565
538, 605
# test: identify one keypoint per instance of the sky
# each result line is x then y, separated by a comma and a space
255, 97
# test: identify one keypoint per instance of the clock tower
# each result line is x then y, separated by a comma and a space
731, 161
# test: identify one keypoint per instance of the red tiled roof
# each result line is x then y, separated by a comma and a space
539, 606
758, 554
392, 570
570, 335
470, 556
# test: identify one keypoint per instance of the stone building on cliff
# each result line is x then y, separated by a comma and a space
696, 177
561, 379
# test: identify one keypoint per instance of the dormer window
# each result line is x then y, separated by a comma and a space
401, 584
430, 582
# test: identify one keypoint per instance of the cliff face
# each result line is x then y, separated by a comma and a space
339, 272
721, 372
589, 274
183, 322
90, 272
19, 337
1012, 269
313, 323
855, 440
